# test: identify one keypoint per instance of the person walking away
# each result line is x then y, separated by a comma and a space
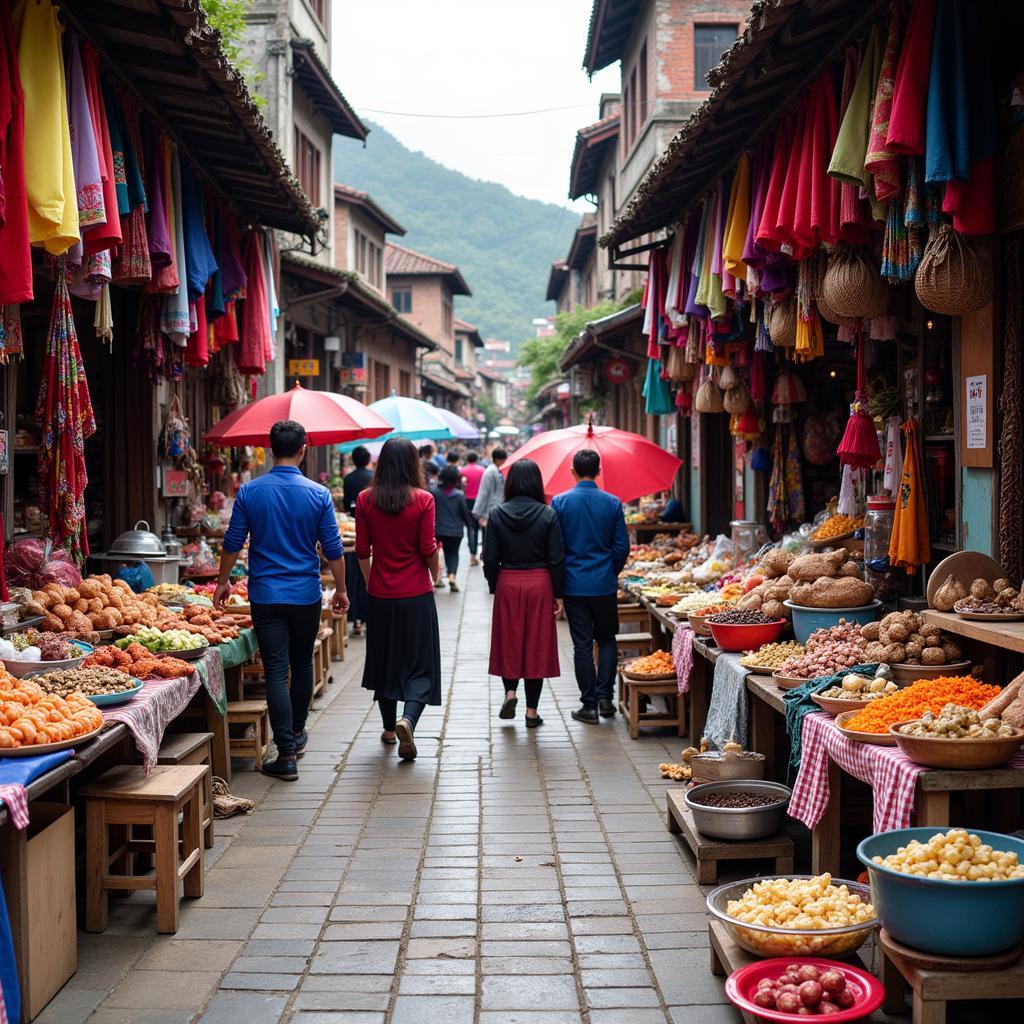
452, 519
284, 515
524, 567
397, 551
596, 547
430, 475
426, 454
472, 472
353, 485
492, 489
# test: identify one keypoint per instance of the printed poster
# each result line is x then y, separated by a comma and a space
977, 411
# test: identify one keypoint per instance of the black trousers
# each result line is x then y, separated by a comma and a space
286, 634
451, 546
593, 620
533, 689
473, 529
389, 712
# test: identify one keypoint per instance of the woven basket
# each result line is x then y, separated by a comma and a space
688, 372
955, 276
708, 397
852, 286
737, 400
826, 312
674, 363
782, 324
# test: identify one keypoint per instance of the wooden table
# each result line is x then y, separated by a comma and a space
1009, 636
653, 529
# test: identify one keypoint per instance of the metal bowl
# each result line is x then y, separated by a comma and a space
738, 823
22, 669
138, 542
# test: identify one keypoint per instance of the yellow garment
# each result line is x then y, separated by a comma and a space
737, 221
810, 341
49, 171
709, 285
909, 544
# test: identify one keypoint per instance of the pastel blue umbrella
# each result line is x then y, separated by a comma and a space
412, 419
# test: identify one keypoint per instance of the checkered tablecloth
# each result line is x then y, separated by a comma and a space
682, 655
16, 797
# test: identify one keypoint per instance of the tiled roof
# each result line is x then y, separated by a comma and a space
366, 202
611, 24
401, 261
463, 327
592, 146
556, 280
315, 78
583, 242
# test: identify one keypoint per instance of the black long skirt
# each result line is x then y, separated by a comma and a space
403, 649
356, 587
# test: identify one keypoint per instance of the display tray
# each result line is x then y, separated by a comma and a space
831, 541
642, 677
911, 673
760, 670
35, 749
22, 625
698, 624
838, 705
105, 634
878, 739
193, 655
109, 700
981, 617
969, 753
237, 609
788, 682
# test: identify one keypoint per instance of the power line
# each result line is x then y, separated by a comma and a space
467, 117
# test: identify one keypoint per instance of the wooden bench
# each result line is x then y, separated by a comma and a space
631, 694
937, 980
633, 644
246, 713
708, 852
126, 797
630, 614
193, 748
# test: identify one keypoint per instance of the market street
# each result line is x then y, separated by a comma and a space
506, 876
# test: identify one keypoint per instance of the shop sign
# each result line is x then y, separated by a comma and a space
977, 411
303, 367
353, 368
618, 370
175, 483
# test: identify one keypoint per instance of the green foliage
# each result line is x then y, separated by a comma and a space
541, 355
228, 18
502, 243
491, 413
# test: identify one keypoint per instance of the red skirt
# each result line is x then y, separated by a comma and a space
524, 644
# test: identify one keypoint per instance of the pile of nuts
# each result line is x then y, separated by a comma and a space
828, 651
800, 903
740, 617
955, 722
92, 682
737, 799
954, 856
771, 656
856, 687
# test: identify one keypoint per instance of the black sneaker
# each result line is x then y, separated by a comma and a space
605, 708
588, 715
283, 768
301, 739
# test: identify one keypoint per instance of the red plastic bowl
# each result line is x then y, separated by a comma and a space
741, 985
745, 638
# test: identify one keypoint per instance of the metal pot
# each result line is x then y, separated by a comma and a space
739, 823
138, 543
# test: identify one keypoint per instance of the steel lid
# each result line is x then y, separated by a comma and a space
138, 542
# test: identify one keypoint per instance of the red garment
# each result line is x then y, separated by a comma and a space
473, 472
254, 333
885, 167
107, 235
399, 545
767, 235
972, 203
910, 91
15, 254
524, 643
197, 351
796, 180
814, 221
855, 221
225, 328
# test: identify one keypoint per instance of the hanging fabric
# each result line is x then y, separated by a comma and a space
106, 235
906, 132
656, 392
255, 326
885, 166
893, 455
175, 320
737, 220
103, 317
15, 254
909, 545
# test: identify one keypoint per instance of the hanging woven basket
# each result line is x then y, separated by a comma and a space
955, 275
826, 312
708, 397
782, 323
736, 400
853, 287
729, 378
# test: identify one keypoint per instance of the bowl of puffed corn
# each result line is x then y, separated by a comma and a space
955, 892
799, 915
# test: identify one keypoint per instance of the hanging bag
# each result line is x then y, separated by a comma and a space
708, 397
736, 400
955, 276
853, 287
782, 323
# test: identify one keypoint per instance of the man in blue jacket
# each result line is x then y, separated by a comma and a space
596, 547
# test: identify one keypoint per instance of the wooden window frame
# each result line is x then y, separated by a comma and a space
307, 165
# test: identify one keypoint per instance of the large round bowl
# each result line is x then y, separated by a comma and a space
950, 918
964, 754
745, 638
789, 942
21, 669
907, 674
738, 823
807, 620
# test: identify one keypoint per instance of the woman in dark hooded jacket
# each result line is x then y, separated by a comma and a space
523, 563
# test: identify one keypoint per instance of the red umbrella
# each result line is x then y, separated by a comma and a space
328, 419
631, 466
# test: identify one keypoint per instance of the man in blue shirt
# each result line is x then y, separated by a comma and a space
596, 547
284, 515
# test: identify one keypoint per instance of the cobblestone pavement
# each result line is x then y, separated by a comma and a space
506, 877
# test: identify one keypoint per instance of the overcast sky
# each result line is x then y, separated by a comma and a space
475, 57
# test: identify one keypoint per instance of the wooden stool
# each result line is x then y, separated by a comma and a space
630, 614
630, 692
319, 676
937, 980
708, 852
193, 748
126, 796
633, 644
246, 713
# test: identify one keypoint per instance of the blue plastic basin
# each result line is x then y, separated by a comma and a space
807, 620
936, 916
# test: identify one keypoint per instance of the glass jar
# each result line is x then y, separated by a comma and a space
877, 531
747, 536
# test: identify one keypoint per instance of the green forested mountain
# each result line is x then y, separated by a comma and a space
503, 243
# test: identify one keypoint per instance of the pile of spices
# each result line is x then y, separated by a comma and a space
923, 696
736, 799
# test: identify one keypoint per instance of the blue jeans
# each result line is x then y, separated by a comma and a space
593, 620
473, 530
286, 634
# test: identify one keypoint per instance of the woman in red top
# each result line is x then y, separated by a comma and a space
398, 557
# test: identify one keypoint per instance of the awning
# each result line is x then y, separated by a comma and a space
166, 53
783, 48
315, 78
586, 343
593, 144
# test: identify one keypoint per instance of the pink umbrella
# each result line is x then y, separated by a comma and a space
631, 465
328, 419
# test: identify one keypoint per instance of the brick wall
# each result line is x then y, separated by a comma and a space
343, 258
427, 295
383, 348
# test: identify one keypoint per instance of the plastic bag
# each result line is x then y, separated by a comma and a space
138, 576
33, 563
717, 563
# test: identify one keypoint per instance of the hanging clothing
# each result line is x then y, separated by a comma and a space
161, 251
906, 132
15, 254
84, 149
885, 166
229, 257
767, 231
656, 392
108, 234
813, 220
123, 116
848, 208
909, 545
197, 351
673, 300
255, 326
893, 455
273, 308
200, 263
947, 152
175, 320
49, 171
737, 220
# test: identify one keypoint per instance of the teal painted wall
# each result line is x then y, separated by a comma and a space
978, 494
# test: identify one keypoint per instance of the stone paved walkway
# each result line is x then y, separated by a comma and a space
507, 877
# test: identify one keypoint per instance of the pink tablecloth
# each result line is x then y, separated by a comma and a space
148, 714
682, 655
891, 775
